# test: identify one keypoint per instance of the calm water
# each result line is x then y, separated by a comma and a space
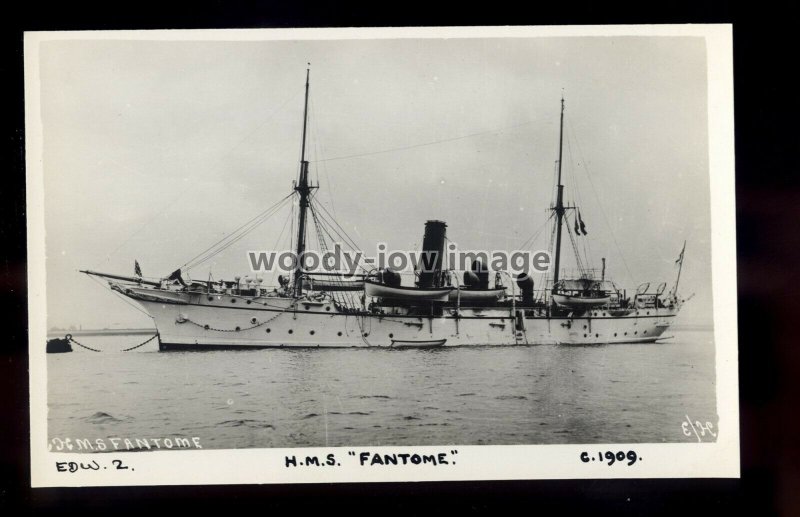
468, 396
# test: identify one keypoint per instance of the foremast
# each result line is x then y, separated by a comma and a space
303, 189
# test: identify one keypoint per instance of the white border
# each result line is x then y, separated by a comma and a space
719, 459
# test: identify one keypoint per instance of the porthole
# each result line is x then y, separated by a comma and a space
205, 327
366, 334
238, 329
391, 336
291, 331
597, 335
615, 334
233, 300
645, 332
249, 302
253, 321
636, 333
327, 307
584, 327
648, 313
210, 298
307, 306
626, 333
584, 335
311, 332
339, 333
269, 330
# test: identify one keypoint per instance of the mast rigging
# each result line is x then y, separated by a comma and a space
303, 189
559, 208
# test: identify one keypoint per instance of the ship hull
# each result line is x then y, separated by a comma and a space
197, 321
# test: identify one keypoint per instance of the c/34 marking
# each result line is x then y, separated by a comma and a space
697, 427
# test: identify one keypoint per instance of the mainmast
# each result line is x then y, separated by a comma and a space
559, 208
302, 187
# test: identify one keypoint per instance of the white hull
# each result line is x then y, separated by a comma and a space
197, 323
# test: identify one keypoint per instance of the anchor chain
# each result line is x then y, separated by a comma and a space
237, 329
69, 338
141, 344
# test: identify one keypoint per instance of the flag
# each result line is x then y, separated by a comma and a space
577, 230
583, 226
680, 257
136, 269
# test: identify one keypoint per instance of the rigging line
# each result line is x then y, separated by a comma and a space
536, 232
582, 264
353, 243
277, 243
246, 227
325, 226
414, 146
235, 234
182, 193
578, 199
100, 283
228, 244
602, 211
324, 167
343, 297
344, 238
578, 262
328, 228
291, 227
550, 247
229, 240
338, 297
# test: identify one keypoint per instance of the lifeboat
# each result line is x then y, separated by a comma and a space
474, 294
432, 343
331, 286
580, 302
435, 294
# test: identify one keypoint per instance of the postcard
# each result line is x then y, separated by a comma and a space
386, 254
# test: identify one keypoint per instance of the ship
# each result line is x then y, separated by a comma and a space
373, 309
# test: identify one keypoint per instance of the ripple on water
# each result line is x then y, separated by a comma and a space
101, 417
415, 402
246, 422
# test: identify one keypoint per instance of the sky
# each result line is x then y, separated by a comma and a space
154, 150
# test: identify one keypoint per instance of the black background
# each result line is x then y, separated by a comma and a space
768, 244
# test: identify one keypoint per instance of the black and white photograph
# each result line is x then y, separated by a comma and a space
381, 254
